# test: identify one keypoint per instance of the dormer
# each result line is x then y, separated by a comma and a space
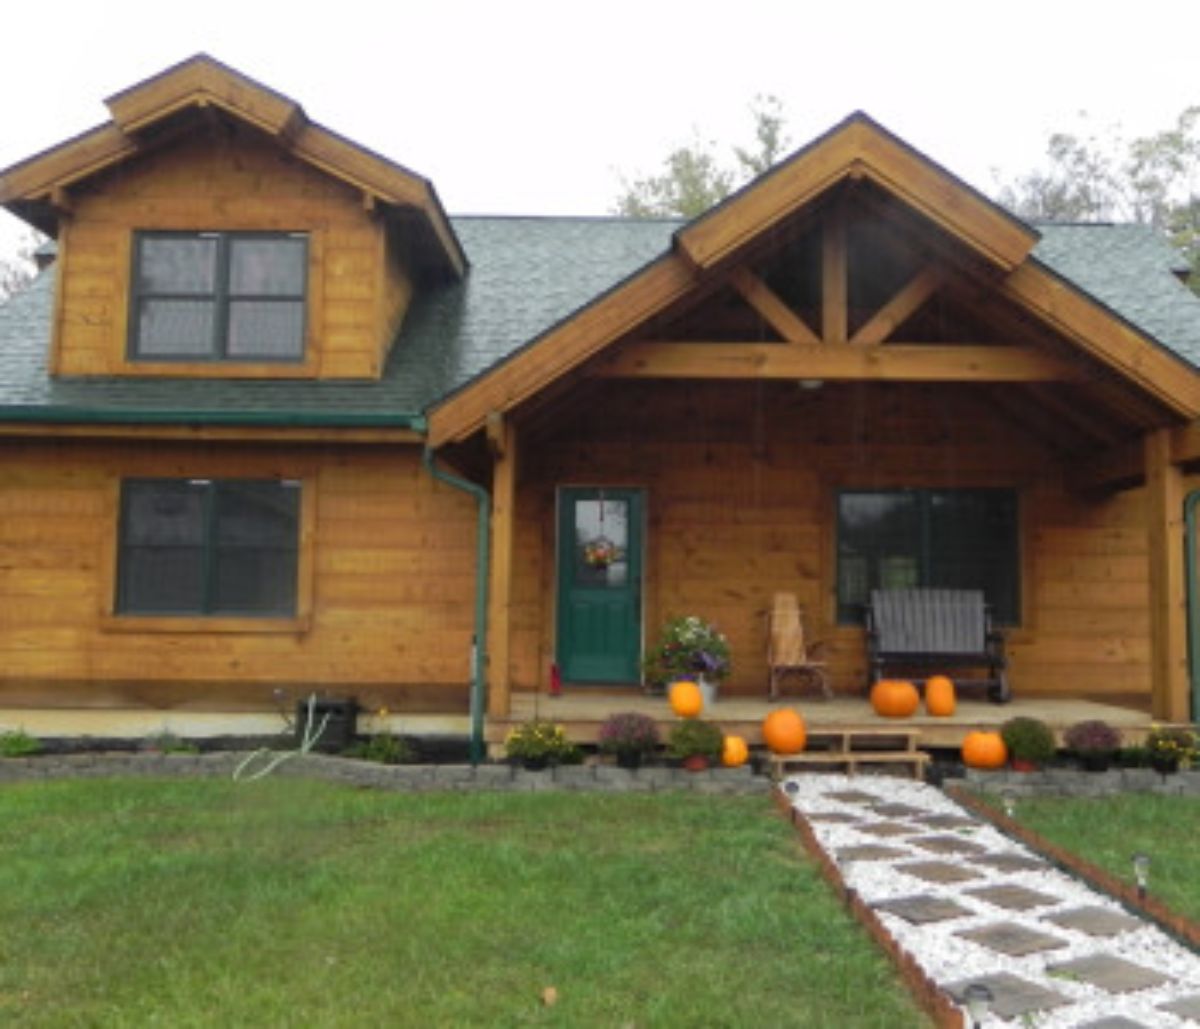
210, 229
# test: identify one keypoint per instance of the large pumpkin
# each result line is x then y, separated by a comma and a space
735, 752
940, 699
894, 698
984, 750
686, 700
783, 731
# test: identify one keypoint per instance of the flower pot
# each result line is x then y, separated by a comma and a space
708, 691
629, 759
535, 764
1023, 764
1165, 765
696, 762
1095, 761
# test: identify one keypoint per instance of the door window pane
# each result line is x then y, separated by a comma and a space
601, 542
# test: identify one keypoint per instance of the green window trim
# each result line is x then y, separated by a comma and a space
220, 310
213, 548
949, 538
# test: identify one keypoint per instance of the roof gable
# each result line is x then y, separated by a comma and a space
36, 188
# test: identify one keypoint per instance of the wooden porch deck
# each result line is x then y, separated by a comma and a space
581, 712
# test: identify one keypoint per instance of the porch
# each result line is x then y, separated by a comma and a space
581, 714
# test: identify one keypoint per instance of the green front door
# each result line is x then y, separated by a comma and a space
600, 585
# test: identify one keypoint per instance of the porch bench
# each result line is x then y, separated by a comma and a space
936, 629
850, 748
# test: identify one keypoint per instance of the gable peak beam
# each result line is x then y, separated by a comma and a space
835, 276
858, 148
899, 308
773, 310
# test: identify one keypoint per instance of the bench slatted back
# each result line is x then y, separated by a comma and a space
929, 621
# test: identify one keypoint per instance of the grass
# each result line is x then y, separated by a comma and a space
284, 902
1108, 830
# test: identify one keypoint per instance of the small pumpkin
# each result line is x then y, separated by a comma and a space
784, 732
940, 698
984, 750
735, 752
686, 699
895, 698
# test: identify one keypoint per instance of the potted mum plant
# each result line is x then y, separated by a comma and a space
1030, 742
688, 647
630, 736
1094, 742
1168, 748
537, 745
695, 743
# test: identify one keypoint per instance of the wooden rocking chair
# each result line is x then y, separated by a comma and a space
787, 650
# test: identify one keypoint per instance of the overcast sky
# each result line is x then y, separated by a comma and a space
531, 107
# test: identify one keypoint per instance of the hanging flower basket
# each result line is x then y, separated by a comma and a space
600, 552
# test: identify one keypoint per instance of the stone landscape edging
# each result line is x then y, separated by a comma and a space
596, 778
1074, 782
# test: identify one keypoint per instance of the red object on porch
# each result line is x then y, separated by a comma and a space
555, 680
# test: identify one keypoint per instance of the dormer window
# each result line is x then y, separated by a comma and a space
218, 296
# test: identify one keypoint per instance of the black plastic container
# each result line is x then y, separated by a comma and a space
340, 728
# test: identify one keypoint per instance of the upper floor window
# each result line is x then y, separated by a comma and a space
218, 296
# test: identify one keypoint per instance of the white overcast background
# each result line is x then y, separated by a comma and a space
538, 108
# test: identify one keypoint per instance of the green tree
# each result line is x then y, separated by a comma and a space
18, 269
693, 176
1150, 180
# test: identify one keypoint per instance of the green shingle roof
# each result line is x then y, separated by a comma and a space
527, 274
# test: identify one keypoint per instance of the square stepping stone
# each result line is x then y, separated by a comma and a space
1015, 898
1115, 1022
949, 845
1012, 938
1116, 975
833, 817
870, 852
1185, 1007
938, 872
896, 810
1012, 996
887, 829
1011, 861
853, 797
1096, 921
946, 821
923, 908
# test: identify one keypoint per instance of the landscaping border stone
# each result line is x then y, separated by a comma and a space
594, 778
1074, 782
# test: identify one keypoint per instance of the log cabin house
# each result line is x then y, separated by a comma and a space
272, 422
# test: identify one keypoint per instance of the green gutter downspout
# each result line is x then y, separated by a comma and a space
1193, 596
479, 658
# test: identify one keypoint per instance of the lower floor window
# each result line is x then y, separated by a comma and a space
948, 538
208, 547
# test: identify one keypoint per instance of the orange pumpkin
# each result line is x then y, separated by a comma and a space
735, 752
686, 700
894, 698
984, 750
940, 699
783, 731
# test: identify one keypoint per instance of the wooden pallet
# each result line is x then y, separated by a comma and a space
850, 748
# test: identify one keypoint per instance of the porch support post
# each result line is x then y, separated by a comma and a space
1168, 614
502, 437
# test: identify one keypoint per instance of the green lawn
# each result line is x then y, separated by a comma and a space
284, 902
1108, 830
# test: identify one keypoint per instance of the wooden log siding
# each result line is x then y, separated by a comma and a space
733, 519
393, 582
358, 290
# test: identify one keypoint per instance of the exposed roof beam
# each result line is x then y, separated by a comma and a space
774, 311
1117, 467
896, 311
895, 362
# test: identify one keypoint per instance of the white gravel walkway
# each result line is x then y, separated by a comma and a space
946, 956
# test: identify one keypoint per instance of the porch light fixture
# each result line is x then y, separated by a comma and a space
1009, 800
1141, 873
978, 999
